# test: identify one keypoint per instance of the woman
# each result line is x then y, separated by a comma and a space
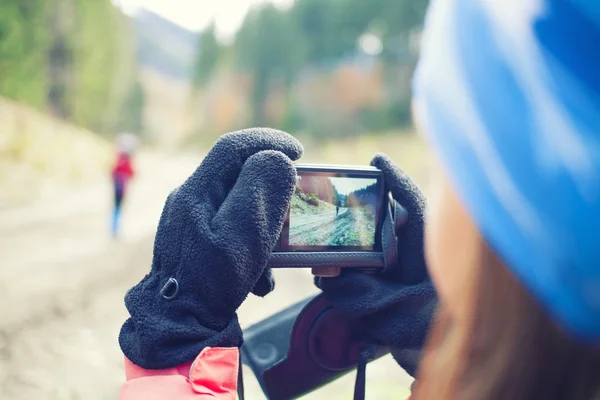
507, 93
511, 245
122, 173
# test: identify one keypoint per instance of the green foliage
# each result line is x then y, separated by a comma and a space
308, 198
293, 120
208, 56
394, 114
98, 56
74, 58
132, 119
336, 198
274, 46
312, 199
319, 31
359, 224
267, 47
318, 21
22, 50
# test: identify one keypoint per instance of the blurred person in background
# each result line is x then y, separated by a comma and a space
508, 94
122, 172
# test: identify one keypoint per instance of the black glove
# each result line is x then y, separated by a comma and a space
397, 305
211, 248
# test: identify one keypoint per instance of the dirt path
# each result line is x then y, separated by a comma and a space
348, 228
312, 229
62, 280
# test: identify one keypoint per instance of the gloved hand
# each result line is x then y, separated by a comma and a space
211, 248
397, 305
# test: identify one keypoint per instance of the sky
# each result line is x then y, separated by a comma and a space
349, 185
196, 14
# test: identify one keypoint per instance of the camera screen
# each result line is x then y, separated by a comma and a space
333, 212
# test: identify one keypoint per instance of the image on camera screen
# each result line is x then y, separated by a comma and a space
333, 211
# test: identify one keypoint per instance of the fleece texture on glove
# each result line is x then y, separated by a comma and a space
214, 238
397, 305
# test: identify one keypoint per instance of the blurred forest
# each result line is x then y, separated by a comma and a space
318, 68
323, 68
74, 73
73, 58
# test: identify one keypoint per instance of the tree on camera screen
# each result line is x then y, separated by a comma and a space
333, 211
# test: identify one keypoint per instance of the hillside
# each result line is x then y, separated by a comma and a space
165, 53
164, 46
41, 155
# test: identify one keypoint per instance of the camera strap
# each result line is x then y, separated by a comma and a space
240, 380
367, 353
396, 216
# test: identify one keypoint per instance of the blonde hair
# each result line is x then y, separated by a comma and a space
503, 345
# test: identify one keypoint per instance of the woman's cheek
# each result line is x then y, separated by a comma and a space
434, 242
452, 245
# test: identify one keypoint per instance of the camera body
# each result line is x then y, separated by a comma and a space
337, 219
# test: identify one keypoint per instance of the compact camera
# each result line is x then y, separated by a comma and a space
337, 219
334, 209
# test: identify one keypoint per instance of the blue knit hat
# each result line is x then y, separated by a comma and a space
508, 92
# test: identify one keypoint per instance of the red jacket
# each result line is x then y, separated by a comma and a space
213, 375
123, 168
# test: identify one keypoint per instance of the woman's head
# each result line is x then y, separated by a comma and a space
492, 339
506, 94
